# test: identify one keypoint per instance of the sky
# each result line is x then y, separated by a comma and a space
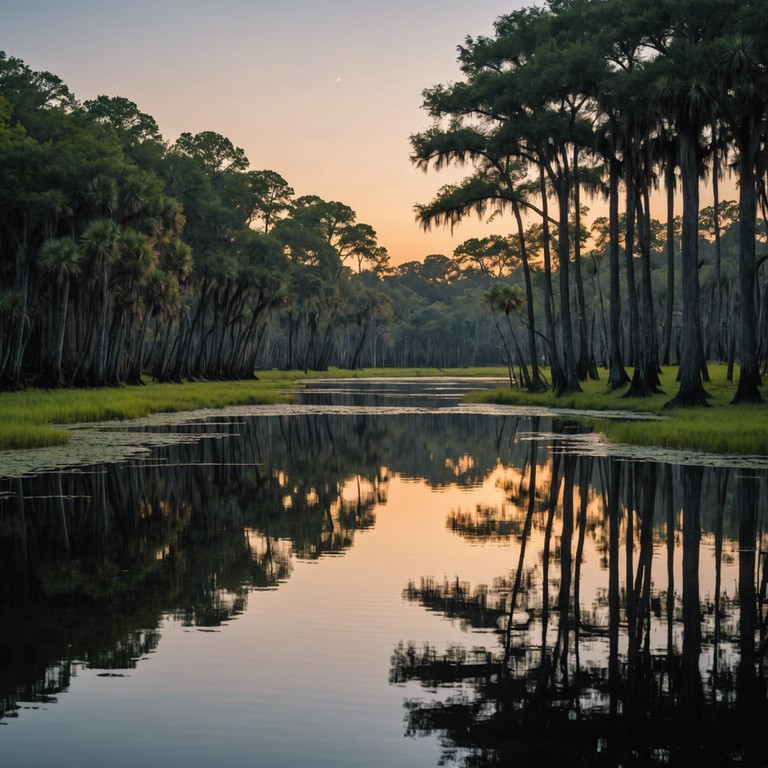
326, 94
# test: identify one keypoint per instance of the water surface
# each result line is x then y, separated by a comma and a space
379, 577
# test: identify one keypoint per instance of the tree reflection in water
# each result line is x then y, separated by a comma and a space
645, 674
95, 558
629, 628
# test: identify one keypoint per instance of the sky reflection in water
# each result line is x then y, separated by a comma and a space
335, 590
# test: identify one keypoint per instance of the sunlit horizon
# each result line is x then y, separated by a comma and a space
327, 96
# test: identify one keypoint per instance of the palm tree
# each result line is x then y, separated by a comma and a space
507, 298
100, 244
101, 196
59, 260
57, 206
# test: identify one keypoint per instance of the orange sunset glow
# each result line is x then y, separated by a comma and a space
325, 94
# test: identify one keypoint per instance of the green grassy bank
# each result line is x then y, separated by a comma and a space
721, 428
33, 418
27, 418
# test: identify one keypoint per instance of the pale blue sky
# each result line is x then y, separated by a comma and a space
326, 94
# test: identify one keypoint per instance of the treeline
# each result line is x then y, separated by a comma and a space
617, 98
123, 255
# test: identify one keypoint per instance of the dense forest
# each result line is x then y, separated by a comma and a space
124, 255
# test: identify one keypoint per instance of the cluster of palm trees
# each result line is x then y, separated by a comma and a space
122, 254
616, 98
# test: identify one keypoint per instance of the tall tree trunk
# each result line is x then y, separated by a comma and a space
669, 178
585, 366
570, 380
645, 379
649, 314
100, 357
22, 287
536, 383
137, 369
691, 390
629, 266
507, 353
523, 367
747, 390
617, 376
554, 356
719, 348
54, 372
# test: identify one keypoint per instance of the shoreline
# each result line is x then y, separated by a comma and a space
37, 418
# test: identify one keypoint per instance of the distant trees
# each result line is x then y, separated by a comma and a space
593, 96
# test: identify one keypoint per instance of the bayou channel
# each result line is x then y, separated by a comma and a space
379, 575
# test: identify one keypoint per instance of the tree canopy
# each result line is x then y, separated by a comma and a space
123, 254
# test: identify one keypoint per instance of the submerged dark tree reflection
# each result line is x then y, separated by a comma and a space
629, 628
646, 676
94, 559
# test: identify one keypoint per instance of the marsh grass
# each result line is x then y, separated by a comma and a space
36, 418
721, 428
23, 434
716, 430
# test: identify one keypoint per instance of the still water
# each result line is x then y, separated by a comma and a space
380, 576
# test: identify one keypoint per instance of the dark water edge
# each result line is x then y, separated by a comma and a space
179, 599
